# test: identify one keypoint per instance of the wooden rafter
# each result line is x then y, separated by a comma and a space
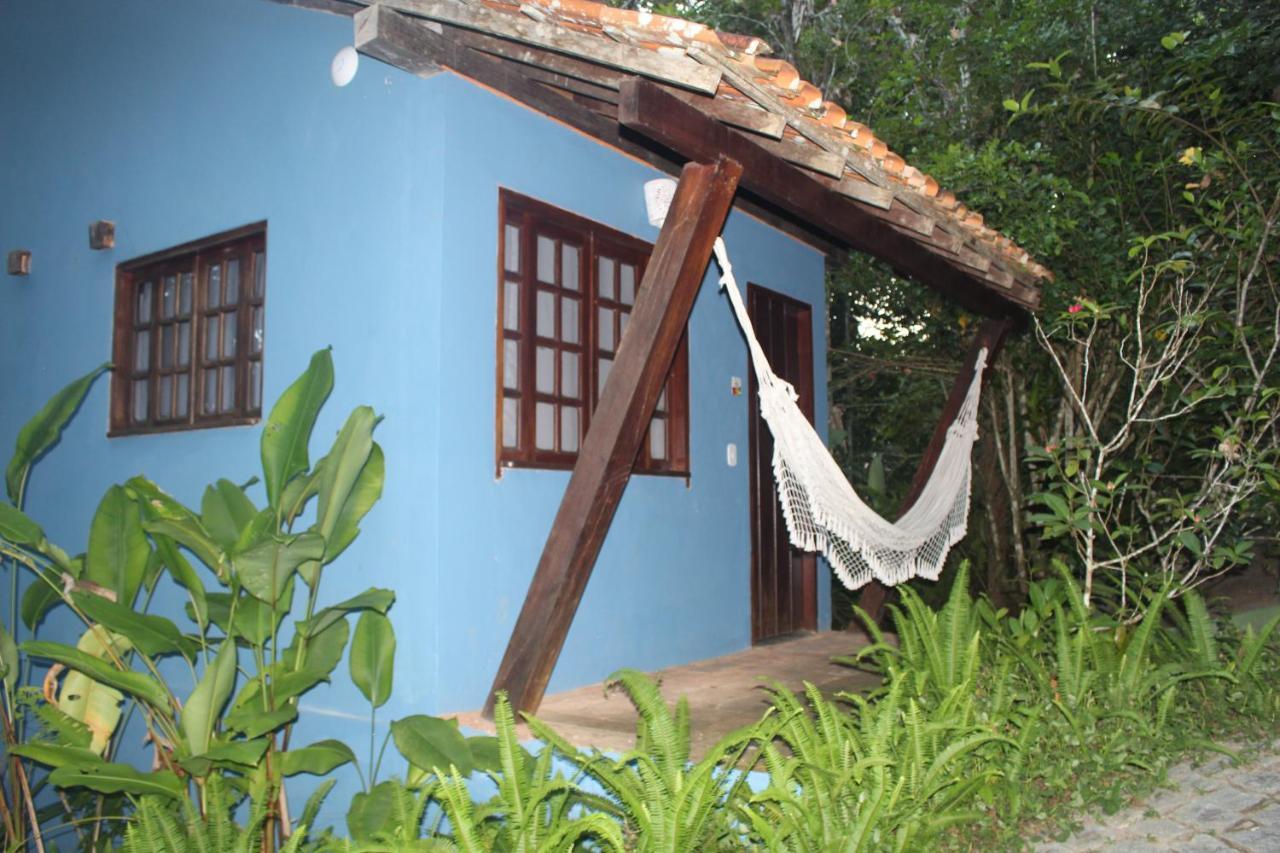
603, 468
677, 70
646, 109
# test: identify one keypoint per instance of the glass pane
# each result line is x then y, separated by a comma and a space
168, 297
623, 317
604, 365
255, 385
546, 314
229, 333
545, 426
209, 399
658, 438
213, 288
140, 401
627, 284
568, 266
511, 250
211, 335
166, 346
164, 403
546, 260
233, 282
184, 295
606, 278
510, 422
184, 344
228, 388
569, 323
183, 399
662, 400
142, 351
259, 274
511, 305
511, 364
257, 330
569, 363
145, 293
569, 429
545, 371
605, 329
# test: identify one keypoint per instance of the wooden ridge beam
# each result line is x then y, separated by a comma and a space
991, 335
609, 449
677, 70
647, 109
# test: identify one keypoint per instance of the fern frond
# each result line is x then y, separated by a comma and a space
154, 829
1201, 628
1253, 646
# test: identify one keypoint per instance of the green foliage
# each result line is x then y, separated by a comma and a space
43, 431
373, 651
225, 731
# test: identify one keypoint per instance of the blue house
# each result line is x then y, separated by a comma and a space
464, 222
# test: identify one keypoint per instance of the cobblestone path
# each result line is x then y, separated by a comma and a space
1214, 807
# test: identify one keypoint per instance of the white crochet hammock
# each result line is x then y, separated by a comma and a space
822, 510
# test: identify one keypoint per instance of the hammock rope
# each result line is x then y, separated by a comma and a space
822, 511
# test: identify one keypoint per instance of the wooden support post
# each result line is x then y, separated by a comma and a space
666, 296
991, 335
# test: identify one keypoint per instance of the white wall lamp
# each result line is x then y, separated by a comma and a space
657, 199
343, 68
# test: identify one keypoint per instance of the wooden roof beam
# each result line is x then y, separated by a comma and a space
646, 109
839, 143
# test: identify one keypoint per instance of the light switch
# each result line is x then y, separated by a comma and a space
731, 455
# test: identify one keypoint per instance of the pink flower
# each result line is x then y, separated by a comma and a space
1076, 308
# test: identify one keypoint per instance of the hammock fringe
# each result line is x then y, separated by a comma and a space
823, 512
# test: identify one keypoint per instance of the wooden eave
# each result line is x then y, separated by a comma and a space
695, 104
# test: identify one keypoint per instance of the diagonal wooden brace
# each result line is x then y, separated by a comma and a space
662, 308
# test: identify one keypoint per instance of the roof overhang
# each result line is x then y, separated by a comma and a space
668, 107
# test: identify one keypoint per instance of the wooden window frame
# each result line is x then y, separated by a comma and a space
197, 258
534, 218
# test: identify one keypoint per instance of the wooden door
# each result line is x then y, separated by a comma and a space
783, 580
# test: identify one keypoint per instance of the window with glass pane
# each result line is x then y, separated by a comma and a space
566, 290
189, 335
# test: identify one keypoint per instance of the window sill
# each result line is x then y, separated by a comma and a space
184, 427
504, 466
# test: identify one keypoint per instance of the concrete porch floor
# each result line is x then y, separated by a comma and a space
724, 693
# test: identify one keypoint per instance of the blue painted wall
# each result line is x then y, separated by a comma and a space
182, 119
